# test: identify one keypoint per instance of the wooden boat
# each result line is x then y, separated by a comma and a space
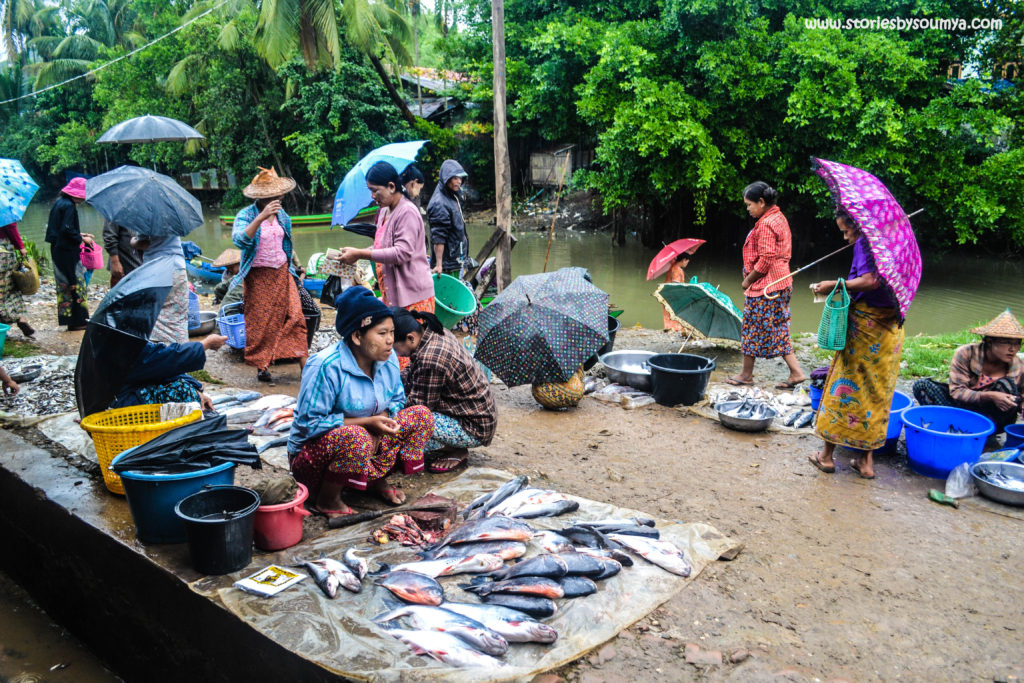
315, 220
202, 270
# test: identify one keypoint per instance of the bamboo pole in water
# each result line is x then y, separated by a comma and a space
558, 198
502, 170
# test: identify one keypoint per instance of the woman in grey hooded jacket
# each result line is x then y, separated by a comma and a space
447, 225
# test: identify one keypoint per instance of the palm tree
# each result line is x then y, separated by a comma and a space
307, 26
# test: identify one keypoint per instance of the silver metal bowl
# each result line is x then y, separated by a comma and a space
743, 424
26, 374
992, 489
629, 368
207, 321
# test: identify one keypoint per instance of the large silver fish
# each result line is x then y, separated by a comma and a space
481, 505
446, 648
329, 574
513, 625
497, 528
522, 585
413, 587
506, 550
358, 565
551, 508
553, 542
662, 553
470, 631
450, 566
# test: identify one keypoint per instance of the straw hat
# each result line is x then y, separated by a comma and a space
228, 257
1003, 326
268, 184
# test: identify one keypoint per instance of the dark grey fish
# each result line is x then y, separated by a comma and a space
481, 505
620, 556
527, 604
792, 417
550, 566
522, 585
631, 529
514, 626
577, 586
552, 509
506, 550
611, 568
496, 528
584, 536
581, 564
413, 587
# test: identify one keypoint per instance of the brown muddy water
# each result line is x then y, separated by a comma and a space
954, 293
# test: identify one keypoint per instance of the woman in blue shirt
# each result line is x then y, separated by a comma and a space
351, 425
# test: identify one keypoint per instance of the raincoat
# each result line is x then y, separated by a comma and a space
447, 225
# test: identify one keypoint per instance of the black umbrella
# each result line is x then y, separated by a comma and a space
364, 229
195, 446
144, 201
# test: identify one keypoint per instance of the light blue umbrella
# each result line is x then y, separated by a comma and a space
16, 191
352, 193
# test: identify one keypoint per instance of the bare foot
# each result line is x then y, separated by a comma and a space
861, 467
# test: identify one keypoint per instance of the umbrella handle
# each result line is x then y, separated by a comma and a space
774, 295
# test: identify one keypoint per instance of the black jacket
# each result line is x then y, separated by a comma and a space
447, 226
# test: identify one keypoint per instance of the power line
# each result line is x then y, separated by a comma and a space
116, 59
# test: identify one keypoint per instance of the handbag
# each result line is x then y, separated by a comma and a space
26, 276
91, 257
832, 328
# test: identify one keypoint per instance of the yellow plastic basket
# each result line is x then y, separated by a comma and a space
115, 431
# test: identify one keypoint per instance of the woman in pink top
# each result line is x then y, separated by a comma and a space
12, 305
403, 271
275, 328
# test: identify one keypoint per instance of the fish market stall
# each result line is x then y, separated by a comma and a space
46, 389
341, 634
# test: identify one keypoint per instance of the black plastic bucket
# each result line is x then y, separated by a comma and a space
312, 325
679, 377
613, 327
218, 524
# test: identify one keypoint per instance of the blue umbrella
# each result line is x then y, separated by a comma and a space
144, 201
16, 190
352, 193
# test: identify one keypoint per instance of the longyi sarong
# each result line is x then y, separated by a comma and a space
12, 305
765, 330
69, 276
275, 328
858, 391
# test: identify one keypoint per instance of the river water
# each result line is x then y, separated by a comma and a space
954, 293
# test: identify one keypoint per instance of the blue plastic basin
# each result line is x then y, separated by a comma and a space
1014, 436
932, 450
152, 497
900, 403
815, 394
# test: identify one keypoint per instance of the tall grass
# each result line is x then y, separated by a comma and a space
929, 355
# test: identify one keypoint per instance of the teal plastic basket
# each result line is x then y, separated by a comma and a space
832, 328
3, 336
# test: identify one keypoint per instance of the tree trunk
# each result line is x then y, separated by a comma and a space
502, 170
396, 97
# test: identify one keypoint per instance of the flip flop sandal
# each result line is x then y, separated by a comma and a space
323, 512
789, 385
389, 489
816, 461
435, 466
732, 381
856, 468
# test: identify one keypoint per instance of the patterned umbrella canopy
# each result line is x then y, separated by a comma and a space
542, 327
882, 220
702, 309
16, 190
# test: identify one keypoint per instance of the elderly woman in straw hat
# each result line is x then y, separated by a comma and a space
275, 328
986, 377
224, 293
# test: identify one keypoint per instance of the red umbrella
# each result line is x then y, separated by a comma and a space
667, 256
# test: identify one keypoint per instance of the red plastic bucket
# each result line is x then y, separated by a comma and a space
280, 526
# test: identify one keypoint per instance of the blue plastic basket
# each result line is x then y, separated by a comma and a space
232, 325
314, 286
935, 452
193, 310
3, 336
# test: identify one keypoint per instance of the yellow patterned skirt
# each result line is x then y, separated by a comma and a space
558, 395
854, 410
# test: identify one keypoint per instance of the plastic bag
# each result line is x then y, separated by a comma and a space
960, 483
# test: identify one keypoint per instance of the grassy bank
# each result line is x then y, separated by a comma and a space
923, 355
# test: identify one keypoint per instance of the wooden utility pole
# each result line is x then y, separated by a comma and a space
502, 170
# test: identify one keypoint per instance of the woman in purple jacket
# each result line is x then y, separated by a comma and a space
403, 271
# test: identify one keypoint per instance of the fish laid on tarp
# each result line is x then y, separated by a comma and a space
485, 502
506, 550
581, 564
547, 509
445, 648
577, 586
551, 542
620, 556
413, 587
522, 585
527, 604
468, 630
450, 566
531, 503
358, 565
330, 574
513, 625
583, 536
635, 521
631, 529
662, 553
550, 566
497, 528
804, 420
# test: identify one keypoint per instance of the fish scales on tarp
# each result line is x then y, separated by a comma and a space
341, 635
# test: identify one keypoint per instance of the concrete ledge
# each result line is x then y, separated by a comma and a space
72, 545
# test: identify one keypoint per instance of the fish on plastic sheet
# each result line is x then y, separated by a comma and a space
358, 565
662, 553
497, 528
804, 420
538, 586
450, 566
273, 402
577, 586
482, 504
629, 529
531, 605
329, 574
552, 508
446, 648
550, 566
581, 564
523, 497
506, 550
791, 417
620, 556
585, 536
552, 542
511, 624
634, 521
413, 587
466, 629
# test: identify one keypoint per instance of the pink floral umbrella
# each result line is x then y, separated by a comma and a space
882, 220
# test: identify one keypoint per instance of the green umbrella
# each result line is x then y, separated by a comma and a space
702, 309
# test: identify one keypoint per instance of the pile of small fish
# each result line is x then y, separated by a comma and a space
405, 530
750, 409
998, 478
50, 392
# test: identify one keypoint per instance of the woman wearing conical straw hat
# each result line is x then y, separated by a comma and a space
275, 328
985, 377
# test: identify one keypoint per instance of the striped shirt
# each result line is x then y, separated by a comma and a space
768, 249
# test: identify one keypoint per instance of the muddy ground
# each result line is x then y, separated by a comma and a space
840, 578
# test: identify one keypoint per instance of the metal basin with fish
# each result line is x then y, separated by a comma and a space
207, 321
1001, 481
629, 368
26, 374
746, 415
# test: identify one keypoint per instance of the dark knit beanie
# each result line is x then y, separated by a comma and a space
358, 308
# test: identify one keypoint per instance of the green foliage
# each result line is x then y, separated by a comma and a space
929, 356
21, 348
39, 255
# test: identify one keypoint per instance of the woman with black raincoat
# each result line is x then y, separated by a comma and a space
447, 225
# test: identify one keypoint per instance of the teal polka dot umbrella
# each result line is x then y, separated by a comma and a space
16, 191
542, 327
